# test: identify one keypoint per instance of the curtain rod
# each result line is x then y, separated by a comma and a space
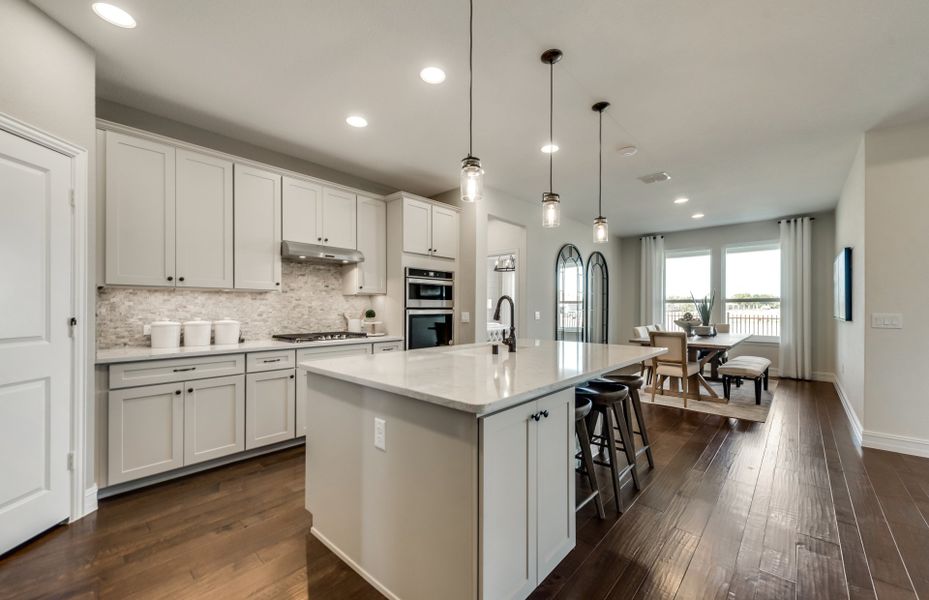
654, 237
795, 218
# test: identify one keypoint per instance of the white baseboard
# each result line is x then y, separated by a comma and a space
823, 376
850, 413
895, 443
90, 500
355, 566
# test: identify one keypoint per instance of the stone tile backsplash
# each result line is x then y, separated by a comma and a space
310, 300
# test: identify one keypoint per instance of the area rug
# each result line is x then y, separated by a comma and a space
740, 406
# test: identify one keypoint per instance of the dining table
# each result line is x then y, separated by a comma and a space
715, 347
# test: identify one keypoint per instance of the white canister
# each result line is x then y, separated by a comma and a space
166, 334
197, 333
226, 331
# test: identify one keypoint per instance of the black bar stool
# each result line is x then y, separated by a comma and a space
635, 383
582, 407
607, 399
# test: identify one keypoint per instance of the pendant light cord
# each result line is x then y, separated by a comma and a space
551, 122
471, 79
600, 181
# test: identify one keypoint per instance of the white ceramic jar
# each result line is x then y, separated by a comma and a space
226, 331
197, 333
166, 334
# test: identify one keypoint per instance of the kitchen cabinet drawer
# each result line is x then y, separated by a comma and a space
270, 361
387, 347
269, 407
132, 374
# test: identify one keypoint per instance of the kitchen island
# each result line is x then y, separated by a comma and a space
449, 473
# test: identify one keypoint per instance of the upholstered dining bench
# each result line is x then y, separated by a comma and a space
745, 367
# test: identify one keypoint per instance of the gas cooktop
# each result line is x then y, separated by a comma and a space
322, 336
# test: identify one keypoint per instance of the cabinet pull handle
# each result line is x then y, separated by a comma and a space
177, 392
545, 413
170, 278
536, 417
326, 240
180, 279
185, 369
190, 390
277, 283
291, 376
271, 360
319, 239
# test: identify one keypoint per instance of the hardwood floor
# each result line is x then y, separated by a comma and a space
785, 509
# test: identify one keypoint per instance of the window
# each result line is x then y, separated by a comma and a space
687, 276
753, 290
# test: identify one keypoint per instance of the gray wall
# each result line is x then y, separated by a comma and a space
47, 80
716, 239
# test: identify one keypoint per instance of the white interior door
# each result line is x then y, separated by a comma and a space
35, 345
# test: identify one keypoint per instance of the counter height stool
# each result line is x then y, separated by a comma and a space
608, 399
635, 383
582, 408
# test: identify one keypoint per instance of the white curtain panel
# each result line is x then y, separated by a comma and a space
651, 304
796, 298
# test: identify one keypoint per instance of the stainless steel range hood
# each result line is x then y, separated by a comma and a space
317, 253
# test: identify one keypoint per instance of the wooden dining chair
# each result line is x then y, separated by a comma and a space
675, 364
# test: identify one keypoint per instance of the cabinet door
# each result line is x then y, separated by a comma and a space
508, 503
338, 218
204, 221
257, 229
417, 226
319, 354
214, 418
556, 517
146, 431
139, 211
269, 407
444, 232
372, 242
302, 211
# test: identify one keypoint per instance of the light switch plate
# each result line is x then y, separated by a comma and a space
465, 317
380, 434
538, 316
886, 321
146, 330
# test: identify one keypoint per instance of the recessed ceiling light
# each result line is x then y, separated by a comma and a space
357, 121
682, 200
550, 148
628, 150
697, 216
433, 75
114, 15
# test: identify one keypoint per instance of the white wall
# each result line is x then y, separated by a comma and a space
716, 239
850, 335
47, 80
507, 237
542, 246
896, 212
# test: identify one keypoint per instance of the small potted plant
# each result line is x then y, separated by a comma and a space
704, 308
370, 314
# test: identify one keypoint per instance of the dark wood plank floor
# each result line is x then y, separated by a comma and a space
786, 509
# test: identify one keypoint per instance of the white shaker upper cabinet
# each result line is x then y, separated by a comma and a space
444, 232
204, 221
338, 218
417, 227
303, 211
257, 229
139, 211
370, 276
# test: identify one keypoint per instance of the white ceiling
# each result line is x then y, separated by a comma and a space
754, 107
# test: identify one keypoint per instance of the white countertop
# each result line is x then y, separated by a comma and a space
137, 353
471, 379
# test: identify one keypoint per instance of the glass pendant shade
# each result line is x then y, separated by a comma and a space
601, 231
551, 210
472, 179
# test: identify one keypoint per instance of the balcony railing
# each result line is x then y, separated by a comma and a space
753, 316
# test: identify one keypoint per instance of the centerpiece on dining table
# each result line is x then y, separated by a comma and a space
699, 325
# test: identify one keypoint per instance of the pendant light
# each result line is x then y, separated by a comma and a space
472, 174
551, 202
601, 232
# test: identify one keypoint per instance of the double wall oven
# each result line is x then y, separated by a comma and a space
429, 303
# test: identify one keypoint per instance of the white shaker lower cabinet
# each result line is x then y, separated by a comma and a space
527, 505
214, 418
319, 354
146, 431
269, 407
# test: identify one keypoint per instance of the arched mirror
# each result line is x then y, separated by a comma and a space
598, 298
569, 294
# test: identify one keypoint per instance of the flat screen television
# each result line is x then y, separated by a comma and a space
842, 285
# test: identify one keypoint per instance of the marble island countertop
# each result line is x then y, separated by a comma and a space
470, 378
136, 353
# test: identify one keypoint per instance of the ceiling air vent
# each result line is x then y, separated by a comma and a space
655, 177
